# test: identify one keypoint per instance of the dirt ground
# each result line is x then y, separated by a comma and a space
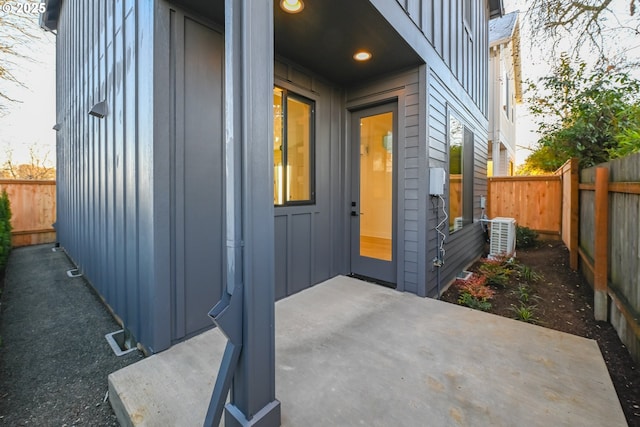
564, 301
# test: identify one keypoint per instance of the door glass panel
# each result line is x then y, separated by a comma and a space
376, 186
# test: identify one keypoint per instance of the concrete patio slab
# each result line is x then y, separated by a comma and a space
354, 353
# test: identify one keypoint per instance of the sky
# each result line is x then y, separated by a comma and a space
29, 123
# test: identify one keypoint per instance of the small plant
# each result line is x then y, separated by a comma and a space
474, 292
523, 292
525, 313
472, 302
525, 237
528, 274
497, 271
476, 286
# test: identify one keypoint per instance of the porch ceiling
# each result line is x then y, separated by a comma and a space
326, 34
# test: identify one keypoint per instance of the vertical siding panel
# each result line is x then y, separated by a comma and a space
95, 143
177, 163
447, 45
102, 151
86, 150
460, 35
131, 167
112, 291
437, 26
88, 137
120, 206
78, 128
427, 13
154, 140
88, 96
413, 9
73, 194
455, 28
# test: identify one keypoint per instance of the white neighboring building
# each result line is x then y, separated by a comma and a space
505, 91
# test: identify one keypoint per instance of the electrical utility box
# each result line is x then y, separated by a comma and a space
436, 181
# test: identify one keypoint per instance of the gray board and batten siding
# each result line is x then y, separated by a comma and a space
140, 191
105, 176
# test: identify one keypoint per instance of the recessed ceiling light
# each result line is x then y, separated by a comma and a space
292, 6
362, 55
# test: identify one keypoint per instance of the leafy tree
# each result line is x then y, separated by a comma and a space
541, 161
591, 116
596, 25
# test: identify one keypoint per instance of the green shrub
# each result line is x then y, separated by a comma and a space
497, 271
5, 228
525, 237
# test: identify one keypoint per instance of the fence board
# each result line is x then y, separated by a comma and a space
33, 209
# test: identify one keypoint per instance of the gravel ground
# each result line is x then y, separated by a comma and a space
54, 359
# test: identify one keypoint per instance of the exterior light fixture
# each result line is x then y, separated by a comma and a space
99, 110
292, 6
362, 55
56, 127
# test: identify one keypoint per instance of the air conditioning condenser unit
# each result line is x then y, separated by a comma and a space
502, 237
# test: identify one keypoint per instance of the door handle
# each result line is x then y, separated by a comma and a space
354, 213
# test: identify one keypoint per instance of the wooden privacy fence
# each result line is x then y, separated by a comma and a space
534, 202
610, 244
596, 212
547, 204
33, 210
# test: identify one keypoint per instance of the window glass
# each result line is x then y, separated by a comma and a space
278, 149
298, 150
456, 182
293, 161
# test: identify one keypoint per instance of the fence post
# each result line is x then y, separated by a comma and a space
600, 298
574, 228
488, 203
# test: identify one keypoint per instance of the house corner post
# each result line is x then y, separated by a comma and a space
600, 297
249, 57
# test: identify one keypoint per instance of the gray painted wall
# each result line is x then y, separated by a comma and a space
197, 173
305, 245
105, 165
464, 246
463, 48
140, 191
435, 30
